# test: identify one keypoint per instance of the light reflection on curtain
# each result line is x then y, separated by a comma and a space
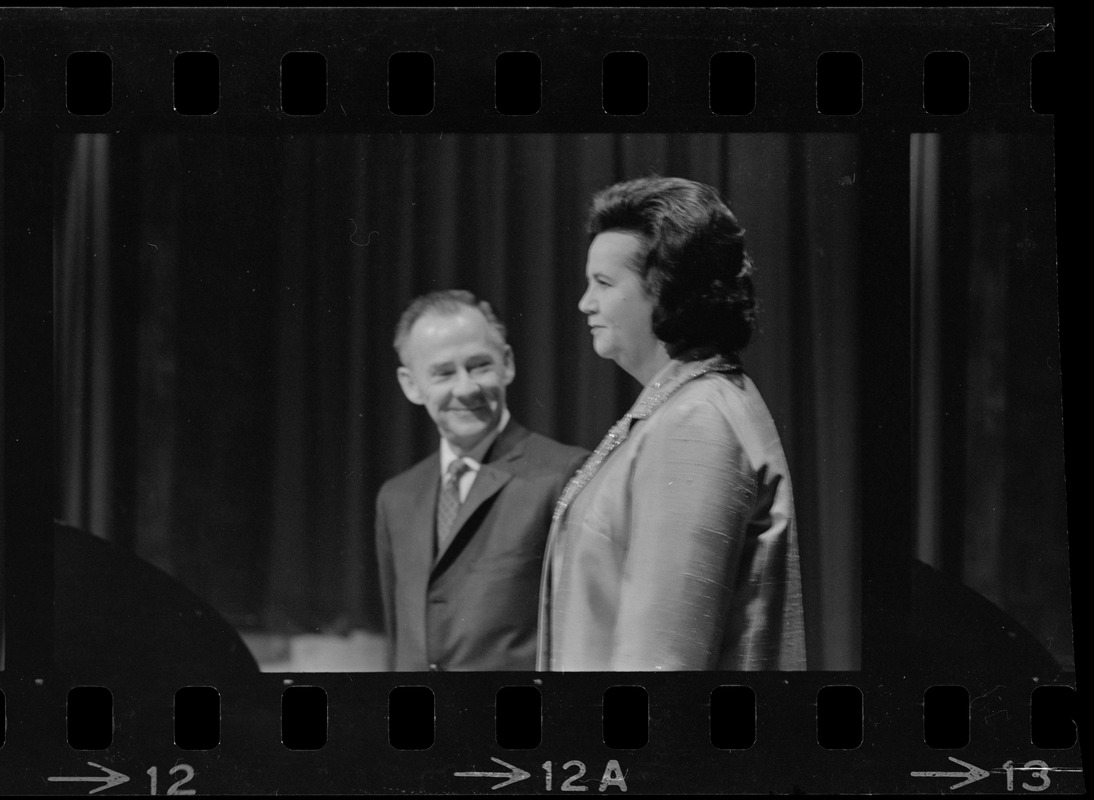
83, 340
269, 273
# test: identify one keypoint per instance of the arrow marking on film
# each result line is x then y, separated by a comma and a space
512, 776
109, 780
972, 774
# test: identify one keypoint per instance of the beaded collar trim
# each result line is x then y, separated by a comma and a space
652, 398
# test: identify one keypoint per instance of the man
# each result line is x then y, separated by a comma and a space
460, 536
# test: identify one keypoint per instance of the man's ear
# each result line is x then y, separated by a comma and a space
509, 365
409, 386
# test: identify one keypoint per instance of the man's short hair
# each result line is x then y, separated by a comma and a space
448, 301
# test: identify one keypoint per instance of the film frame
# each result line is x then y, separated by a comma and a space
679, 756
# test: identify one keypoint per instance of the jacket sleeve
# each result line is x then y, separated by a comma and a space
692, 492
387, 577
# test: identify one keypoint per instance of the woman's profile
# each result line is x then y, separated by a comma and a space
674, 547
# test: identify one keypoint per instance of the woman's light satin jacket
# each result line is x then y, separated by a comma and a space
681, 551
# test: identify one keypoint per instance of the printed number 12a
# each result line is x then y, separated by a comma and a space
613, 776
174, 788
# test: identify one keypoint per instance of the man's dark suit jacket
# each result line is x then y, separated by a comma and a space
476, 607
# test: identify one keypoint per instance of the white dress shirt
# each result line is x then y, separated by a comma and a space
472, 459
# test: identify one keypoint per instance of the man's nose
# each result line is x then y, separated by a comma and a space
465, 384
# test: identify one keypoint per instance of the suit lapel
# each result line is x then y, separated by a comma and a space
495, 472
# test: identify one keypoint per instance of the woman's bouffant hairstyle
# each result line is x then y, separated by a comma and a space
695, 267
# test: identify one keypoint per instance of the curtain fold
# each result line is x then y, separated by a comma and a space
270, 272
84, 341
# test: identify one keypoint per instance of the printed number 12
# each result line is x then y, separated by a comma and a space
568, 784
153, 773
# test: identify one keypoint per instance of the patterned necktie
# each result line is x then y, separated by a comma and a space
448, 504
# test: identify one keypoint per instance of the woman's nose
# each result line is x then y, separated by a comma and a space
585, 304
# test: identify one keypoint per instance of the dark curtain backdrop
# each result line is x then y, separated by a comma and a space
227, 398
3, 533
992, 505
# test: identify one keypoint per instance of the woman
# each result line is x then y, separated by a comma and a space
674, 547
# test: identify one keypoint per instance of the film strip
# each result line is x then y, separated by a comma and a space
289, 179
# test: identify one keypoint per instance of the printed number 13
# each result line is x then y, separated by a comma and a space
188, 771
1039, 770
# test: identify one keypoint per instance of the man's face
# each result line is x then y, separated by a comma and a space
457, 366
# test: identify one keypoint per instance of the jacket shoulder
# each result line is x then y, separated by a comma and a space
715, 395
720, 407
547, 448
553, 456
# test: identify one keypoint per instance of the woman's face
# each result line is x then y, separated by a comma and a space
619, 309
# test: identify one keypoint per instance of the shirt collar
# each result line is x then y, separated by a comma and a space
475, 457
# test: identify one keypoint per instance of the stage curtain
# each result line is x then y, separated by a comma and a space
992, 507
